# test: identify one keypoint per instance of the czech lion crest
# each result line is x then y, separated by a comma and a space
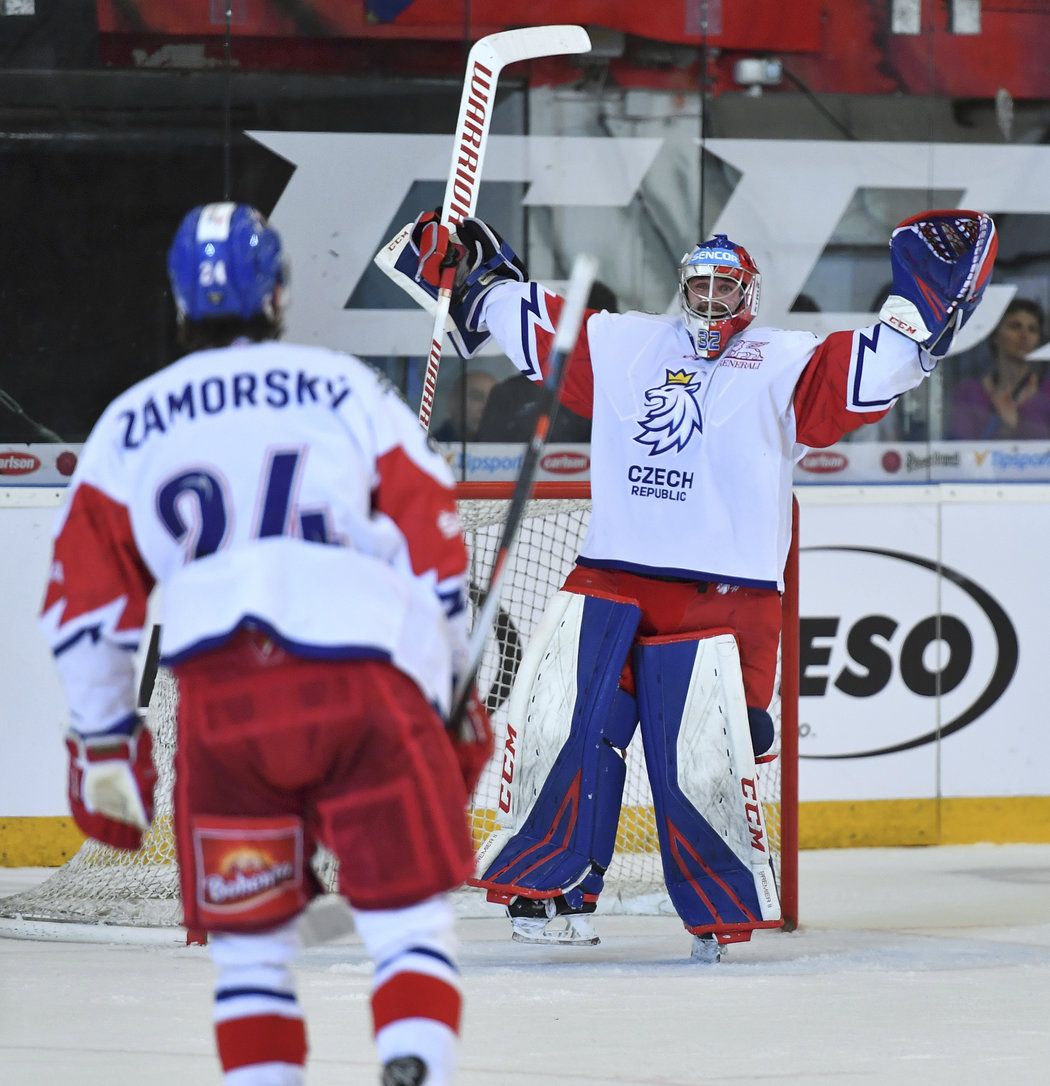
672, 415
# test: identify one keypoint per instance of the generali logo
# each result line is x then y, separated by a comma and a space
565, 463
17, 463
824, 462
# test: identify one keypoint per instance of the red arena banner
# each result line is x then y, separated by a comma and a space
747, 24
827, 47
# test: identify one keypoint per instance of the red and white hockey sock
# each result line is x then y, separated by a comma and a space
259, 1027
416, 998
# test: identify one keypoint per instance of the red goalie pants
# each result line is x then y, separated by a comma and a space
668, 607
276, 753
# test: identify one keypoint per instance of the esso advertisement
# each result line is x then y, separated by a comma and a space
927, 640
921, 649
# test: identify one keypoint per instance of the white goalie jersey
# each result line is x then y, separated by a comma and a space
691, 459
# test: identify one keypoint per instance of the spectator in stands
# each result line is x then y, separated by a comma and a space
511, 409
468, 405
1011, 399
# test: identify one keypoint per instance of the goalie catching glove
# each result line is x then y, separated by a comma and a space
111, 782
416, 257
942, 261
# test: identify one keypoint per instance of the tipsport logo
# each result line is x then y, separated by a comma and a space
672, 415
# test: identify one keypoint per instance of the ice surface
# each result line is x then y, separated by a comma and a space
928, 966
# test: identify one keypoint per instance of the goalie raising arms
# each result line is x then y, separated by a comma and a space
671, 617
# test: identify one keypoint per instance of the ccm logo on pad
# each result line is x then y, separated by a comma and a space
753, 811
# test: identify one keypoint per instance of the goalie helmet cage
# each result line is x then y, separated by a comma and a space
105, 894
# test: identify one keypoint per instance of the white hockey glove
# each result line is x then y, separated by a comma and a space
111, 783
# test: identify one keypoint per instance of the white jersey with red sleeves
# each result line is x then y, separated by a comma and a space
691, 459
280, 485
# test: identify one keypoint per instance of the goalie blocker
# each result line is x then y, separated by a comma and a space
569, 713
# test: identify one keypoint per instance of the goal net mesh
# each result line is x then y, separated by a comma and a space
100, 885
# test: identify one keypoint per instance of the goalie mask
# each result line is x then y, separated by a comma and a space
718, 290
225, 261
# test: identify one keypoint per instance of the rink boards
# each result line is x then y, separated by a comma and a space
923, 618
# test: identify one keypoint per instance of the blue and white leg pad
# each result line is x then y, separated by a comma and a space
701, 765
568, 723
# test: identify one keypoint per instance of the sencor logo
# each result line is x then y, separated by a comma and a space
12, 463
565, 463
824, 463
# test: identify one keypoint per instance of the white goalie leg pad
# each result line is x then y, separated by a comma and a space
701, 764
563, 770
716, 762
544, 727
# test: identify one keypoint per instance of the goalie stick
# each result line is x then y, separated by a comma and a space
584, 270
487, 58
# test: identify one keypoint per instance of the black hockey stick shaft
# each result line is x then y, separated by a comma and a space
583, 272
16, 409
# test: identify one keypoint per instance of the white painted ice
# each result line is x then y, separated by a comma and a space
913, 966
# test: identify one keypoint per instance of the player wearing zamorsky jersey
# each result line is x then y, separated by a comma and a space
306, 541
671, 616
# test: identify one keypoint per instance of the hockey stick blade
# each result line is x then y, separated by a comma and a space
487, 58
584, 270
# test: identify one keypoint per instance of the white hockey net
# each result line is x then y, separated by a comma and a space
104, 886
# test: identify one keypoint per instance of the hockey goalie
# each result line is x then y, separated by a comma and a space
669, 623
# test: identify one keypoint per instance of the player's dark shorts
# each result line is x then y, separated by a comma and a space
277, 753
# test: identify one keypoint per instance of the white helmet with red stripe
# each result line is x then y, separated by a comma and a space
719, 287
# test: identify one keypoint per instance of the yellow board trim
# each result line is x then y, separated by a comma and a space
883, 823
38, 842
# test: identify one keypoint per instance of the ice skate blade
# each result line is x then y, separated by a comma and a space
706, 951
559, 931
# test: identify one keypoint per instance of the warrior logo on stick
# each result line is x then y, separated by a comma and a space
673, 414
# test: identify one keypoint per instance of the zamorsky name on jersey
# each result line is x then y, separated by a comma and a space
212, 395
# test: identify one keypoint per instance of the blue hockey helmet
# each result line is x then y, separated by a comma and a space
225, 261
718, 290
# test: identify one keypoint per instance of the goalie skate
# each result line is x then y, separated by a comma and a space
540, 922
706, 950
